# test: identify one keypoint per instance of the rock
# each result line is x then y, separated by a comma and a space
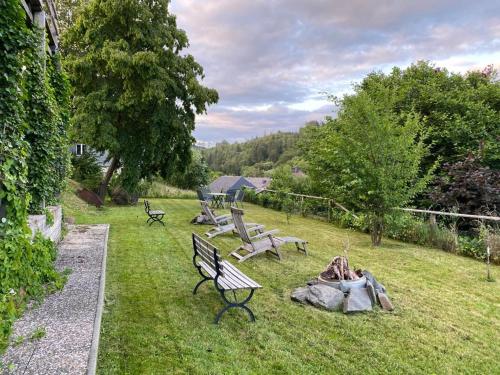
385, 302
313, 282
378, 287
357, 300
371, 292
324, 296
300, 294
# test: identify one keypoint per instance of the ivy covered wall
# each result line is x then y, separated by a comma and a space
33, 159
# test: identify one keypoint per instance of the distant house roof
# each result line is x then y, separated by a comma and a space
260, 182
225, 183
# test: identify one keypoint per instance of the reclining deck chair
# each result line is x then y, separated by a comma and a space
261, 242
203, 194
223, 223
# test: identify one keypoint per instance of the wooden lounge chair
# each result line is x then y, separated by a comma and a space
223, 223
203, 194
261, 242
228, 280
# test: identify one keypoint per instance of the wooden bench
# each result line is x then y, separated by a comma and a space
154, 215
227, 278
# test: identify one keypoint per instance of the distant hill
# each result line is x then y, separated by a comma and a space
254, 157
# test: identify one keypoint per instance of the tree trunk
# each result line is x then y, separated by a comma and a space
103, 186
377, 227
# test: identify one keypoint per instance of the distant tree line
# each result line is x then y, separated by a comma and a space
254, 157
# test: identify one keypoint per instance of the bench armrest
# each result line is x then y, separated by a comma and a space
223, 218
265, 234
253, 227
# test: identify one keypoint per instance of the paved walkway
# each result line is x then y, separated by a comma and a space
69, 320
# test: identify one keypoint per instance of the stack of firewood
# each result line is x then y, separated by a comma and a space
338, 269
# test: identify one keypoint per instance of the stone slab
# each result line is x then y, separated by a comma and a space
357, 300
325, 296
385, 302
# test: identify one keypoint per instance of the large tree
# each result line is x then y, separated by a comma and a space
368, 158
459, 112
135, 94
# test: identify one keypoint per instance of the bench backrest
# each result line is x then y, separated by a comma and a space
208, 212
146, 206
207, 253
240, 224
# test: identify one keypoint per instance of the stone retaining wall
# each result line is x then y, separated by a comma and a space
39, 223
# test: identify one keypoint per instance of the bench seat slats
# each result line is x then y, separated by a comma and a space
224, 285
230, 269
232, 279
156, 212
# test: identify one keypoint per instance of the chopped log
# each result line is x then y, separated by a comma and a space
338, 269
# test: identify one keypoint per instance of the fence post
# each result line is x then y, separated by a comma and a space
433, 221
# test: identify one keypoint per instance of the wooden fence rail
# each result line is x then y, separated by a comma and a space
302, 196
332, 201
479, 217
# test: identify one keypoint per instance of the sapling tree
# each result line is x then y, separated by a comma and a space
136, 93
369, 158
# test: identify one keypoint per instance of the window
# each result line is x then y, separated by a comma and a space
80, 149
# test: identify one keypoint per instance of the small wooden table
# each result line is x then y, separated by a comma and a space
218, 199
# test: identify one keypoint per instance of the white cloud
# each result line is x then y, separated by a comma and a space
271, 60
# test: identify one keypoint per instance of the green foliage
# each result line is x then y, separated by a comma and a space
49, 217
136, 95
87, 170
61, 161
193, 175
459, 112
284, 180
158, 188
48, 156
26, 265
38, 333
369, 157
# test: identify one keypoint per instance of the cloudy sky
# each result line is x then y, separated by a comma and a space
273, 61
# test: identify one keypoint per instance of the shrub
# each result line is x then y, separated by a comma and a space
87, 170
369, 158
158, 188
469, 187
472, 247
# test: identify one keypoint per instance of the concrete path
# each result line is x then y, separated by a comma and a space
69, 320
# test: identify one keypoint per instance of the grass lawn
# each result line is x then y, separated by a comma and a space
447, 317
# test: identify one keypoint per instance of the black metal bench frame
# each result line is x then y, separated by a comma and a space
218, 271
153, 216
